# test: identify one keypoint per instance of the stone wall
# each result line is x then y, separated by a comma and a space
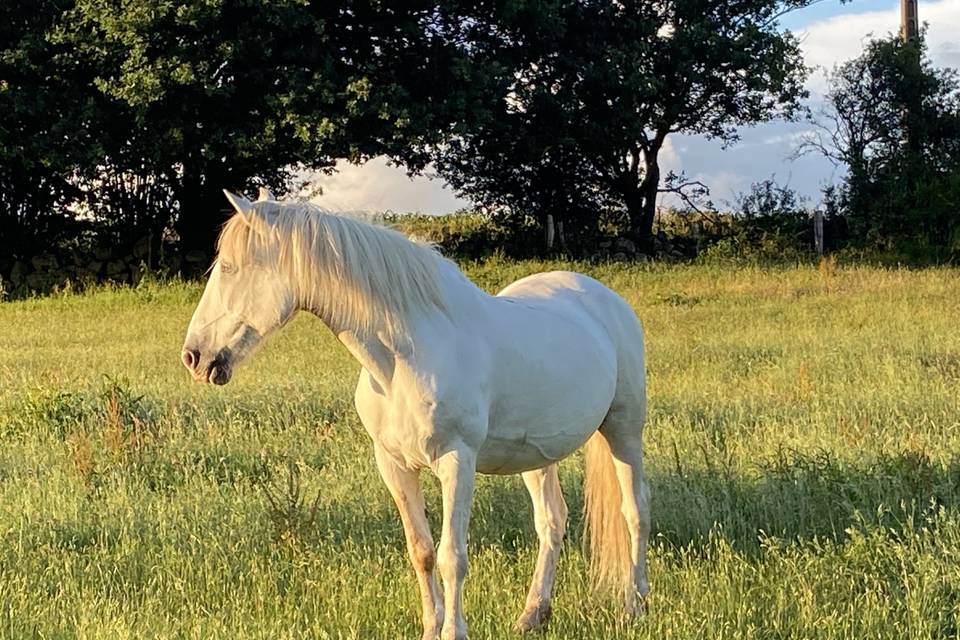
48, 271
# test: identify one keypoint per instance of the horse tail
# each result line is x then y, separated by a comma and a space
606, 538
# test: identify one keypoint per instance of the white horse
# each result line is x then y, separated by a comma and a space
454, 380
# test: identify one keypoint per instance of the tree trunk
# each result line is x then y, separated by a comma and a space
650, 188
633, 197
642, 203
641, 199
203, 210
201, 214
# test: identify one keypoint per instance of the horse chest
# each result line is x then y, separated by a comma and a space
415, 426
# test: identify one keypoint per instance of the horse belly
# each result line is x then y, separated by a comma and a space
503, 456
547, 409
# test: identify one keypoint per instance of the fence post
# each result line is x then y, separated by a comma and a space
550, 232
818, 230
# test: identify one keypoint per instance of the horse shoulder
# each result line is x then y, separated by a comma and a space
452, 409
433, 405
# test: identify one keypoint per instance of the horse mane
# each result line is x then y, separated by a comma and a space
350, 273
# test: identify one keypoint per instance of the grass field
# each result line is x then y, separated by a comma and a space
802, 449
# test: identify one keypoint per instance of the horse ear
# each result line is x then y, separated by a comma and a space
241, 204
265, 195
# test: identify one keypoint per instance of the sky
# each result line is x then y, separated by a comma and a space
829, 33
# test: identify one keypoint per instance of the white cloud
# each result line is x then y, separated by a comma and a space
766, 150
379, 186
792, 138
669, 158
833, 40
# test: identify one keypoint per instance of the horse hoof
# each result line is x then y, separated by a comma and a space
453, 634
639, 607
532, 619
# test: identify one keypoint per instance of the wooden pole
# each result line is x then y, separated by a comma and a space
549, 232
818, 230
909, 24
909, 33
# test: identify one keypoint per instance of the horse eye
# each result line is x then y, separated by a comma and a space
226, 267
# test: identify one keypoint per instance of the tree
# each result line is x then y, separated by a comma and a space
42, 110
597, 87
190, 90
894, 121
206, 95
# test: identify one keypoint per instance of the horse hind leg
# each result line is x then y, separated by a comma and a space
550, 519
623, 431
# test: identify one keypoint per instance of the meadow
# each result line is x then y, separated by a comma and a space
803, 449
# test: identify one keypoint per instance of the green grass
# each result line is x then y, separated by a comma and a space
802, 450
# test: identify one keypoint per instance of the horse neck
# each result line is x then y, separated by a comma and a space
377, 348
343, 308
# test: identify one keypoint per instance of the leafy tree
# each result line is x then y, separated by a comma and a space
894, 121
43, 107
194, 106
212, 94
771, 211
597, 87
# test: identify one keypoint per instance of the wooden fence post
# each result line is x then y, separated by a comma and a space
818, 230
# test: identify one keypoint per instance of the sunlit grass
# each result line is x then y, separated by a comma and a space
802, 449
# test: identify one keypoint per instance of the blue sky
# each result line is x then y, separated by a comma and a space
797, 20
829, 33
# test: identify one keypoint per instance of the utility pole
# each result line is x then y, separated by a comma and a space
910, 34
909, 24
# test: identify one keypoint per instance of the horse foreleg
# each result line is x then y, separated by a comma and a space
456, 470
550, 520
404, 485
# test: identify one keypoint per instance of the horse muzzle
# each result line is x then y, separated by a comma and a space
215, 370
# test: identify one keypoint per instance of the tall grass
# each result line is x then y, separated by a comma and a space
802, 449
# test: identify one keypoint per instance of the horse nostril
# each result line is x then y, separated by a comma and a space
190, 358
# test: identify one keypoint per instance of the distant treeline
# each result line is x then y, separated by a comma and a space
120, 123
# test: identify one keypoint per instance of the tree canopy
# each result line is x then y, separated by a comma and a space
599, 86
893, 120
132, 116
222, 94
44, 106
143, 111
